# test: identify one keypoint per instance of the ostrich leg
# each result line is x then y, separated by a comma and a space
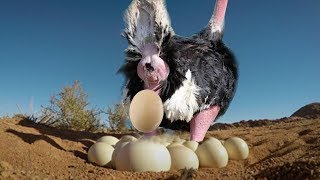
201, 122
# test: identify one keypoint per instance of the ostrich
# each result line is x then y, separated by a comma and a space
196, 76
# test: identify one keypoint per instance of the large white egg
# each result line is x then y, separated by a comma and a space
121, 159
101, 154
120, 144
183, 157
108, 139
128, 138
174, 144
146, 111
237, 148
146, 155
215, 140
193, 145
212, 154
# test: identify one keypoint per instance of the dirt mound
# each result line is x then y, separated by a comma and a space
309, 111
249, 123
287, 148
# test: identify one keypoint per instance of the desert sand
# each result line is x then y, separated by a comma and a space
287, 148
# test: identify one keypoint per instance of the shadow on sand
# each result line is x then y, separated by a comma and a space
87, 139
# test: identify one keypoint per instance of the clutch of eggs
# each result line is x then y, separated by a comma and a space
130, 153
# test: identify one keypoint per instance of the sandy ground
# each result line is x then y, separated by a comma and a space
287, 148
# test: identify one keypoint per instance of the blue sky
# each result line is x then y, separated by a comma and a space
47, 44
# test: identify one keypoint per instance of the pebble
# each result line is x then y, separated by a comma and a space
5, 166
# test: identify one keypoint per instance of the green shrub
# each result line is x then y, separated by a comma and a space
69, 109
118, 116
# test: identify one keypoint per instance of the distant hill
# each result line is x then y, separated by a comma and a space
308, 111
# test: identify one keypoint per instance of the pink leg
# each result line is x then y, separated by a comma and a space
201, 122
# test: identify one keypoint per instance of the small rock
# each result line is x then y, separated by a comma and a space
5, 166
4, 174
91, 171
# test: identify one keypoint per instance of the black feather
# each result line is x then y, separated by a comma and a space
212, 64
213, 67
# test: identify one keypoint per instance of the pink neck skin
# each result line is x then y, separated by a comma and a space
149, 51
154, 87
152, 79
217, 19
201, 122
